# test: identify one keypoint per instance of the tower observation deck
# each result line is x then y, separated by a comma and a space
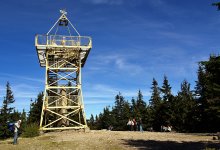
63, 56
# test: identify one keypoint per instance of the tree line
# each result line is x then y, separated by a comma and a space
196, 110
190, 110
9, 115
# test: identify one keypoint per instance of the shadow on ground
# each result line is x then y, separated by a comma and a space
171, 145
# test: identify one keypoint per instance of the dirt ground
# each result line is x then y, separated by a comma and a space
114, 140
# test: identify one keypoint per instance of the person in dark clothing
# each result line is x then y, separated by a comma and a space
135, 125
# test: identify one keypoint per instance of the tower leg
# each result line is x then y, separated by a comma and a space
63, 106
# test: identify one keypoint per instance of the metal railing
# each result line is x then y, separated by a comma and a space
61, 40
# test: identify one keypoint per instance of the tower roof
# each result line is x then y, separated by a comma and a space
59, 42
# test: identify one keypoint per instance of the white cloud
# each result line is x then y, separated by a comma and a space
22, 86
131, 68
22, 95
25, 91
21, 91
99, 91
102, 91
101, 95
22, 77
120, 63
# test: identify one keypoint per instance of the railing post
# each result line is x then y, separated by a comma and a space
36, 41
47, 40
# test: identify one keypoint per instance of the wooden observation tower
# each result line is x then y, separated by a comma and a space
63, 56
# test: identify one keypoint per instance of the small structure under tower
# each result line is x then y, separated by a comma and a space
63, 56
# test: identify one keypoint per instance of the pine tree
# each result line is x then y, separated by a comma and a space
184, 109
107, 118
6, 112
210, 98
168, 103
166, 89
15, 116
133, 107
23, 116
155, 99
127, 110
217, 4
200, 95
91, 122
119, 103
141, 109
98, 121
24, 120
35, 109
155, 118
120, 118
141, 104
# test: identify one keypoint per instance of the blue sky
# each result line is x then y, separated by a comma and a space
133, 41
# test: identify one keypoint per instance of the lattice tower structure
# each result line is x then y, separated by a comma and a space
63, 58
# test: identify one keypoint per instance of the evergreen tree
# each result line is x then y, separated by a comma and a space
23, 116
200, 84
120, 118
6, 112
35, 109
107, 118
166, 89
217, 4
167, 105
126, 114
98, 121
119, 103
155, 99
141, 109
91, 122
208, 89
184, 109
127, 110
200, 95
155, 118
133, 107
24, 120
15, 116
141, 104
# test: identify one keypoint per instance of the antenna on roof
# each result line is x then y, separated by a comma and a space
63, 11
63, 21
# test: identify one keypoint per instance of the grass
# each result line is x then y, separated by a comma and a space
31, 130
111, 140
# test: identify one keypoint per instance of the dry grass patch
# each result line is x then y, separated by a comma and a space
112, 140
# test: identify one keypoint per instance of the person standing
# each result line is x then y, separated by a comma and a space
129, 125
134, 125
16, 127
140, 125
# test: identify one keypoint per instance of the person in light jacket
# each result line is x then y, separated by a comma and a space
16, 127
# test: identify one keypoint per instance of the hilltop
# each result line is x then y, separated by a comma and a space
117, 140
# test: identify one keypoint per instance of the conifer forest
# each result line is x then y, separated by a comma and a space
192, 109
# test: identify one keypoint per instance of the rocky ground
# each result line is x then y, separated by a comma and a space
114, 140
